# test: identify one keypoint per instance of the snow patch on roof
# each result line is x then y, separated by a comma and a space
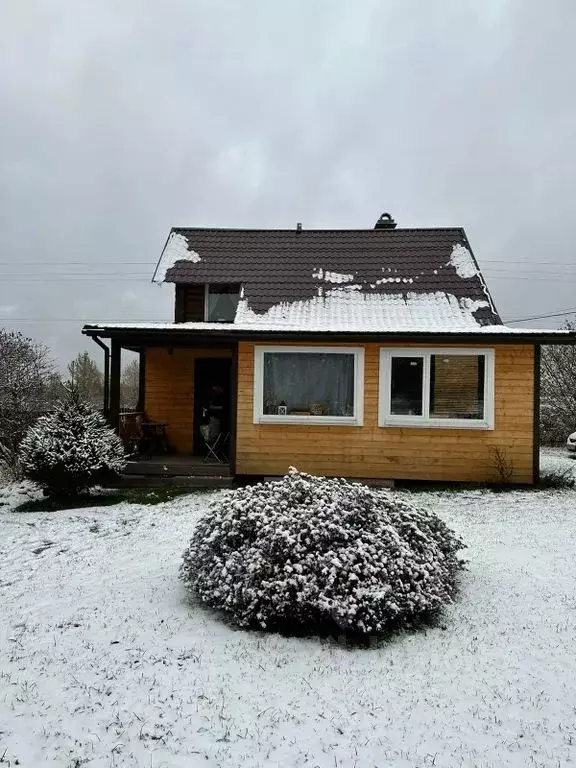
332, 277
394, 280
463, 262
346, 309
176, 249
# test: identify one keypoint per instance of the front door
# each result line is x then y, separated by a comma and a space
212, 392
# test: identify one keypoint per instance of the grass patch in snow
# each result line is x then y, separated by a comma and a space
103, 498
559, 478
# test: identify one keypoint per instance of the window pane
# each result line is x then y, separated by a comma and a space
457, 387
222, 303
407, 386
308, 384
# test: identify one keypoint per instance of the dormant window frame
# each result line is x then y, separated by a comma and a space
357, 420
207, 303
388, 419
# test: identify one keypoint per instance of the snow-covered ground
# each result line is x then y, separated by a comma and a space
557, 462
104, 662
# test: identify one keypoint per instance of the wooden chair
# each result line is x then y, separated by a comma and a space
132, 433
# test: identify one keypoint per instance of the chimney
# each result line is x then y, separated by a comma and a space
385, 222
299, 227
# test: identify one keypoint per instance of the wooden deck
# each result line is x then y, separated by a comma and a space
177, 471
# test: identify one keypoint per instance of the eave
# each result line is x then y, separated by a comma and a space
181, 334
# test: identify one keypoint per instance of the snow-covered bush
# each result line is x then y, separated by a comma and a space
70, 449
318, 553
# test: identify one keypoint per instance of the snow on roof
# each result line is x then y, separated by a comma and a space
332, 277
276, 267
463, 262
176, 249
348, 309
345, 310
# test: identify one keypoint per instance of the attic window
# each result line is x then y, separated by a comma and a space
221, 302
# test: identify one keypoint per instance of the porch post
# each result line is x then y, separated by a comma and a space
106, 382
233, 408
141, 406
115, 369
536, 417
106, 393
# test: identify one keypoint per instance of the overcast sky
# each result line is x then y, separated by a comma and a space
120, 119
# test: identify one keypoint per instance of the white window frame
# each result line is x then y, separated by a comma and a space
356, 420
388, 419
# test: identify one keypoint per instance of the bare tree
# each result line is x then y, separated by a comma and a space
558, 392
87, 379
129, 385
29, 386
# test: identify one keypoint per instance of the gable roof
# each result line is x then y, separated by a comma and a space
372, 280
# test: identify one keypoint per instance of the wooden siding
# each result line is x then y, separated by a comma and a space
170, 390
395, 452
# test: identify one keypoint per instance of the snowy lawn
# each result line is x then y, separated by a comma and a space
557, 462
104, 662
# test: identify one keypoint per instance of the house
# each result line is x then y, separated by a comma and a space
372, 353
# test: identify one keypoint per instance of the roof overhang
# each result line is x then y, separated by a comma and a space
190, 334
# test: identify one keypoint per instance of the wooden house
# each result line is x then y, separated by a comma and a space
372, 353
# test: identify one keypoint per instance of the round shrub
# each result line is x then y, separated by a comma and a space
315, 553
70, 449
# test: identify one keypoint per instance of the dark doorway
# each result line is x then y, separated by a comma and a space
212, 394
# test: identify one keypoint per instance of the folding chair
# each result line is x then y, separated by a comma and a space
214, 441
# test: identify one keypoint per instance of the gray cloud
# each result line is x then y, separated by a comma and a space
120, 120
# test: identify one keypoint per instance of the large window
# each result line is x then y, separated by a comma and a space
221, 302
437, 388
303, 385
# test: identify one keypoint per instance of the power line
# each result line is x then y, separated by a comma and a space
542, 317
73, 274
83, 263
150, 264
75, 279
555, 279
164, 320
528, 272
525, 261
8, 319
128, 277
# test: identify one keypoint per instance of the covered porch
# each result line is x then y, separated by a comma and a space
183, 427
176, 470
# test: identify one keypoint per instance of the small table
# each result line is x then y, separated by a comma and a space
154, 433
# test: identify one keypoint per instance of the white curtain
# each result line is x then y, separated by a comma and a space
316, 383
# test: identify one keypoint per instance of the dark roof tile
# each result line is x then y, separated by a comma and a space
278, 266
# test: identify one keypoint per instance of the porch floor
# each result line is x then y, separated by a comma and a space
176, 470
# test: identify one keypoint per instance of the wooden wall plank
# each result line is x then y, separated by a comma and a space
170, 390
395, 452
